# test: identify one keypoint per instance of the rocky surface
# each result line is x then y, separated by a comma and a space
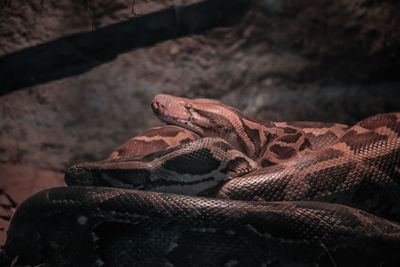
19, 182
286, 60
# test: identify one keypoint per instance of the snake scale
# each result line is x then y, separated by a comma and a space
217, 187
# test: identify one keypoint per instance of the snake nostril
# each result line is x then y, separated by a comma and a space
155, 106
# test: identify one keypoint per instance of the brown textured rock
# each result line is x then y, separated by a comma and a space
17, 183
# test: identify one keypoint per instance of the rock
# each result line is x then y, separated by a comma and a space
17, 183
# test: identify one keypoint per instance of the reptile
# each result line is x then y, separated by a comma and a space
218, 187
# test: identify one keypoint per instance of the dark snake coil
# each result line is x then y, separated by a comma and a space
335, 202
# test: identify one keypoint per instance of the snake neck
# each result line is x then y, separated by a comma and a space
261, 140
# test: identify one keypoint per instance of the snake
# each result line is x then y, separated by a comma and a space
217, 187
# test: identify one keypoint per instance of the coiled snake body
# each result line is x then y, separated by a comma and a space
219, 188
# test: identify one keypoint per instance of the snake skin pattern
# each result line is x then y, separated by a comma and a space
271, 194
154, 140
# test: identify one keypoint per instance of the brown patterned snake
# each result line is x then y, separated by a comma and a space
265, 189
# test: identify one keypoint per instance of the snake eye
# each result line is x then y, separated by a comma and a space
188, 106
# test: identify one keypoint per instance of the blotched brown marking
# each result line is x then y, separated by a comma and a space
159, 154
394, 127
254, 136
276, 190
290, 138
168, 131
202, 161
135, 177
387, 164
378, 121
266, 163
269, 136
276, 168
169, 182
319, 157
319, 141
311, 124
305, 144
140, 147
358, 140
185, 141
217, 121
238, 162
251, 118
222, 145
221, 124
283, 152
337, 176
289, 130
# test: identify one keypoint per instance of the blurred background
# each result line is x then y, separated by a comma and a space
77, 77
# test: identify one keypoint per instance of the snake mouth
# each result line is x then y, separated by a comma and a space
187, 124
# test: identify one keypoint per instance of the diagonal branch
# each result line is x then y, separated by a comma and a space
78, 53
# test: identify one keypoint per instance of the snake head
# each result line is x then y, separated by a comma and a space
206, 117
